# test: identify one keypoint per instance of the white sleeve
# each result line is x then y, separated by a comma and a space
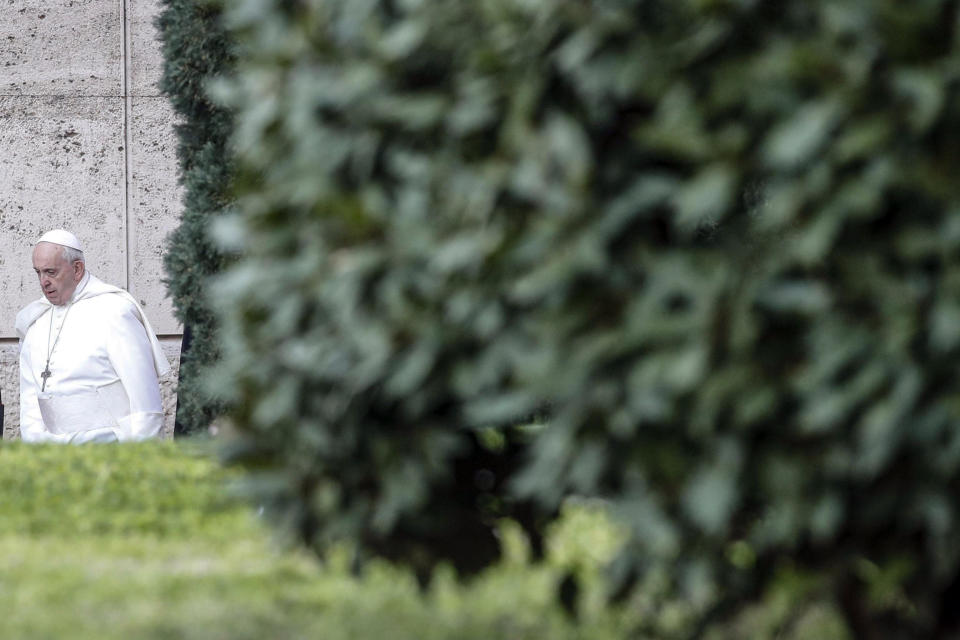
31, 422
131, 355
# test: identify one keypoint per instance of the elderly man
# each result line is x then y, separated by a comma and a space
89, 360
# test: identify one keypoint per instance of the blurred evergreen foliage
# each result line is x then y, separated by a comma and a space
716, 239
195, 50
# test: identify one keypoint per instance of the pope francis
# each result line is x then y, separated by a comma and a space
89, 360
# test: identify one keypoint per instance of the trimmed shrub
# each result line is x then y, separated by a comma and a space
141, 541
195, 50
152, 489
713, 246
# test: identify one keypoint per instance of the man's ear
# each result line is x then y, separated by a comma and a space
78, 270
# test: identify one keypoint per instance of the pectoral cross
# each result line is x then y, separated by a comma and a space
45, 374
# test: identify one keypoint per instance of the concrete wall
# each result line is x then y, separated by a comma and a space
87, 144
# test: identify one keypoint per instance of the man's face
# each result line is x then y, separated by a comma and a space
58, 278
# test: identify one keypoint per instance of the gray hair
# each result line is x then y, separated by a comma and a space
72, 255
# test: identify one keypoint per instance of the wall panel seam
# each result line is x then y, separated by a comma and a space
127, 136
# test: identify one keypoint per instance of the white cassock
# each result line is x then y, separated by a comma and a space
104, 368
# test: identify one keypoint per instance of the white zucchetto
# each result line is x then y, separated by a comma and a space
61, 237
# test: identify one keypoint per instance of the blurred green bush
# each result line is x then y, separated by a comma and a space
717, 240
143, 541
155, 489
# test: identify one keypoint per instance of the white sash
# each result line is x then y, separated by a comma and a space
96, 408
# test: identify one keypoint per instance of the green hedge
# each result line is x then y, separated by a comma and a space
152, 490
195, 51
714, 245
145, 541
149, 541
